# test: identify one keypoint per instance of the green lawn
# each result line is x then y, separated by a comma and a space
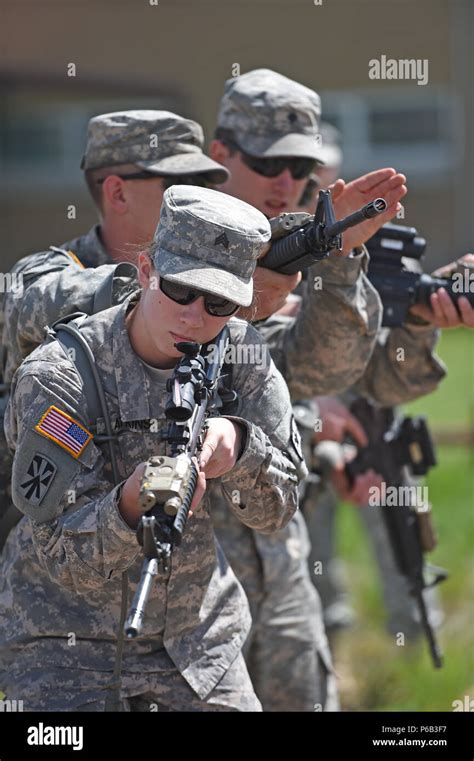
376, 674
452, 404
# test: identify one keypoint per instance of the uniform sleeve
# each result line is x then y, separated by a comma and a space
262, 488
49, 286
78, 533
403, 366
326, 347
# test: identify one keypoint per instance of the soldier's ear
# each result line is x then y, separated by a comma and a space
218, 151
146, 270
113, 195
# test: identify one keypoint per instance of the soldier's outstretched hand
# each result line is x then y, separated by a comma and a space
349, 197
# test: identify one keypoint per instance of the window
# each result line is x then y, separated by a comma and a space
42, 139
411, 128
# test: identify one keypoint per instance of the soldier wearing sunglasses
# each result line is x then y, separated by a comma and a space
71, 553
267, 136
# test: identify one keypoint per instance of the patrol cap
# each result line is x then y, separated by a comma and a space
271, 115
157, 141
209, 240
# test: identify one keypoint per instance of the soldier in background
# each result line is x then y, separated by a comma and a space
266, 135
327, 484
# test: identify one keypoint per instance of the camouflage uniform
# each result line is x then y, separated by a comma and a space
344, 315
349, 306
17, 307
52, 279
287, 653
60, 573
396, 377
52, 282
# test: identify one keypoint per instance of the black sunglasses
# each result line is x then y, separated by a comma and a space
272, 167
182, 294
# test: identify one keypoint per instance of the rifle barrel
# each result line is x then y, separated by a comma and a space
137, 612
369, 211
436, 654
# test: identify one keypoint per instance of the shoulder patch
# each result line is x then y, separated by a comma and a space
61, 428
296, 438
41, 472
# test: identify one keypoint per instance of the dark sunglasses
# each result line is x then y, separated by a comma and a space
272, 167
182, 294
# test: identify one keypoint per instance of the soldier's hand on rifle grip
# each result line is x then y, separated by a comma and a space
359, 493
129, 505
221, 448
467, 312
443, 313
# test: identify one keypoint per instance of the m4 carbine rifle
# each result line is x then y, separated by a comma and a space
400, 287
301, 239
169, 482
396, 444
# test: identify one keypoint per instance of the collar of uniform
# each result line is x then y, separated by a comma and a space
89, 248
130, 372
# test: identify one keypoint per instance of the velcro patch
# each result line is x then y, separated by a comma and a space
41, 471
61, 428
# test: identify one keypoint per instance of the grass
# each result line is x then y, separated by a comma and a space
452, 404
376, 674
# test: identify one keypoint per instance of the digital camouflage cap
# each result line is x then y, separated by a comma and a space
271, 115
209, 240
158, 141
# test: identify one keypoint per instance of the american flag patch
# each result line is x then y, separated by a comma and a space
64, 430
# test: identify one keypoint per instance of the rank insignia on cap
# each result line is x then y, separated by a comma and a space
223, 240
64, 430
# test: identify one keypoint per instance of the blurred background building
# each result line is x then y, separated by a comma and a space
177, 54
